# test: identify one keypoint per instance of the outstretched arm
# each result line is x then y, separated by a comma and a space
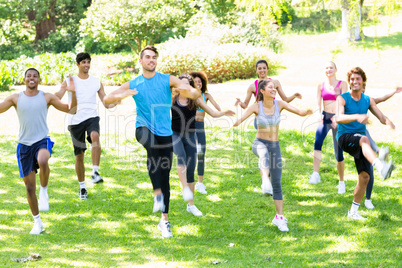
211, 99
102, 94
386, 97
63, 88
377, 113
250, 91
211, 112
55, 101
119, 94
292, 109
342, 118
183, 89
8, 102
282, 94
252, 110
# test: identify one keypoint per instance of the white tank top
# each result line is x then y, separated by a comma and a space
86, 91
32, 114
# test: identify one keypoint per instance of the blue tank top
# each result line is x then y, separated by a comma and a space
199, 108
153, 103
354, 107
264, 120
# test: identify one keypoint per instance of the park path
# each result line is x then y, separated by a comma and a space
304, 59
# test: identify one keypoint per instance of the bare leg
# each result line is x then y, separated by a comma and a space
80, 167
182, 172
30, 185
279, 206
191, 185
164, 217
340, 166
43, 162
200, 178
368, 152
317, 161
361, 186
96, 148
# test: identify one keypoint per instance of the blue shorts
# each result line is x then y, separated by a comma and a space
27, 156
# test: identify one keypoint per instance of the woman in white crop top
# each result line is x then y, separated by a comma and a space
266, 144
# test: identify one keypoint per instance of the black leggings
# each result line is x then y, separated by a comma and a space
159, 160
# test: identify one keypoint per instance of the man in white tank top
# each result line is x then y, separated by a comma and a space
35, 147
86, 120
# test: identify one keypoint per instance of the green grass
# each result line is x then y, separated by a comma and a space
115, 226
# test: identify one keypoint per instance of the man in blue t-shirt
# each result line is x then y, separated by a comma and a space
352, 119
152, 93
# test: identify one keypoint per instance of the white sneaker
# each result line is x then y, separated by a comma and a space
341, 188
201, 188
96, 178
383, 153
164, 227
193, 209
37, 228
187, 194
281, 223
314, 178
355, 216
43, 202
158, 203
386, 169
266, 187
368, 204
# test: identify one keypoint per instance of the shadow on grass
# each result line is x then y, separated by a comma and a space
382, 42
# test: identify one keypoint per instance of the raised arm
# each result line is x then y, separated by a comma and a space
284, 105
8, 102
342, 118
56, 103
63, 88
252, 110
211, 112
386, 97
211, 99
102, 95
282, 94
377, 113
185, 90
119, 94
250, 91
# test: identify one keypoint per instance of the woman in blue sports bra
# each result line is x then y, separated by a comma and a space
266, 144
261, 68
327, 93
201, 80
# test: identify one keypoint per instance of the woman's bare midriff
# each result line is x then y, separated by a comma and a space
330, 106
268, 133
199, 116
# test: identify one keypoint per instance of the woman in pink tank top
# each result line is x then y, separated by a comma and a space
327, 93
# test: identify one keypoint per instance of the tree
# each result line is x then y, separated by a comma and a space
351, 19
135, 22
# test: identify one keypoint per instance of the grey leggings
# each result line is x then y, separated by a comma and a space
201, 140
269, 154
184, 147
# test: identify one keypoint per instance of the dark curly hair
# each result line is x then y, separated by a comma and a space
204, 80
359, 71
192, 104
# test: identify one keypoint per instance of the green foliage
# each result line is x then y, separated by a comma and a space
317, 21
5, 77
282, 11
134, 21
221, 62
224, 10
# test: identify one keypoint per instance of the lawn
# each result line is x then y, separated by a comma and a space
116, 226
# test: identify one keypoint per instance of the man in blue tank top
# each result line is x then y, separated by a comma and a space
35, 147
152, 93
352, 119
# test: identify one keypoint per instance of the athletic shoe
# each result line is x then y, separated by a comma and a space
368, 204
187, 194
193, 209
341, 188
37, 228
201, 188
43, 202
266, 187
164, 227
314, 178
96, 178
281, 223
383, 153
386, 169
355, 216
83, 194
158, 203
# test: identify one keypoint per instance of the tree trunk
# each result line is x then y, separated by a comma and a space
46, 23
351, 26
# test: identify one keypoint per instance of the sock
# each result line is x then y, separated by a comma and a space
355, 206
265, 179
37, 218
82, 184
279, 216
341, 182
43, 190
95, 169
377, 164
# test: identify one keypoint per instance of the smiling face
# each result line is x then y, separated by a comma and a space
32, 79
84, 66
149, 60
198, 82
269, 90
262, 70
330, 69
356, 82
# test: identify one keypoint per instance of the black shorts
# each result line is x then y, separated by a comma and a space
27, 156
350, 143
77, 133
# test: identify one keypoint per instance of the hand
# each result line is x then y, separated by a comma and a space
398, 90
308, 111
238, 101
298, 95
71, 86
389, 123
333, 123
129, 93
229, 113
363, 119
